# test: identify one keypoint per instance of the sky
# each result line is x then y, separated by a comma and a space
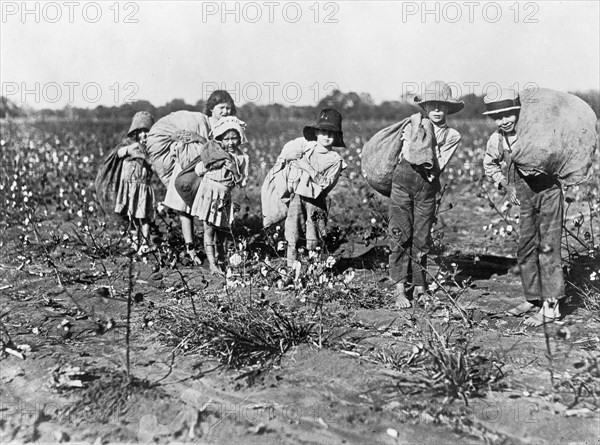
107, 53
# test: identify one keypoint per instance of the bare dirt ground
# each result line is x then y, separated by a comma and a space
70, 382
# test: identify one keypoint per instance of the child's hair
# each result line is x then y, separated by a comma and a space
219, 97
221, 136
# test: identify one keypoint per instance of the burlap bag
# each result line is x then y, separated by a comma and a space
108, 179
556, 135
380, 156
164, 140
380, 153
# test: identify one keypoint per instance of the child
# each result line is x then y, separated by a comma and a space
414, 188
219, 104
135, 195
541, 199
223, 166
313, 170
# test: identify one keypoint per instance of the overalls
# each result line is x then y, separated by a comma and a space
411, 216
541, 219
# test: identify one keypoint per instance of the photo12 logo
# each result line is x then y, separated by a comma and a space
468, 90
69, 92
470, 12
290, 92
69, 12
270, 12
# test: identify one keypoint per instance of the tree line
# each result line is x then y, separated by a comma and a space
353, 106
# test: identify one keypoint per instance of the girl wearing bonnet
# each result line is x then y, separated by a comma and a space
223, 166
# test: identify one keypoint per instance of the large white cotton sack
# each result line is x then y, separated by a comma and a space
163, 140
380, 156
556, 134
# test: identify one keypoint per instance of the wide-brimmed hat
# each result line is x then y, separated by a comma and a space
439, 91
505, 100
142, 120
230, 123
331, 120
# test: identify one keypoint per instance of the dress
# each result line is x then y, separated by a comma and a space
135, 195
213, 200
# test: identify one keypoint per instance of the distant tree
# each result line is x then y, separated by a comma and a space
174, 105
127, 110
9, 109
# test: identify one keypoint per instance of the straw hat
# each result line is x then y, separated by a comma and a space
439, 91
331, 120
142, 120
505, 101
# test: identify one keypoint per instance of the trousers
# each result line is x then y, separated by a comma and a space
538, 253
411, 216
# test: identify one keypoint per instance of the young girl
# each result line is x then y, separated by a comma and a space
135, 195
414, 188
219, 104
223, 166
309, 169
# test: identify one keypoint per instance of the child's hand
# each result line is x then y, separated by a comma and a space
123, 151
511, 193
294, 154
415, 119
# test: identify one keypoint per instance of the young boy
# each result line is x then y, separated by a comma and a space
541, 199
311, 169
415, 185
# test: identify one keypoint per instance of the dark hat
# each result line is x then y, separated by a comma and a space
329, 119
142, 120
439, 91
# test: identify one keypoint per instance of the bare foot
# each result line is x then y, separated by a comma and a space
547, 314
401, 300
521, 309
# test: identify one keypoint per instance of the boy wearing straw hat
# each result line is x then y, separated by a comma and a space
428, 144
541, 200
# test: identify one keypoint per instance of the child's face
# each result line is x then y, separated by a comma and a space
142, 136
436, 112
231, 140
506, 120
325, 137
221, 110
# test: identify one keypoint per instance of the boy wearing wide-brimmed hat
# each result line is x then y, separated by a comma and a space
312, 170
541, 200
415, 184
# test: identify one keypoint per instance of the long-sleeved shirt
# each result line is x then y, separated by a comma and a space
447, 142
317, 170
494, 159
